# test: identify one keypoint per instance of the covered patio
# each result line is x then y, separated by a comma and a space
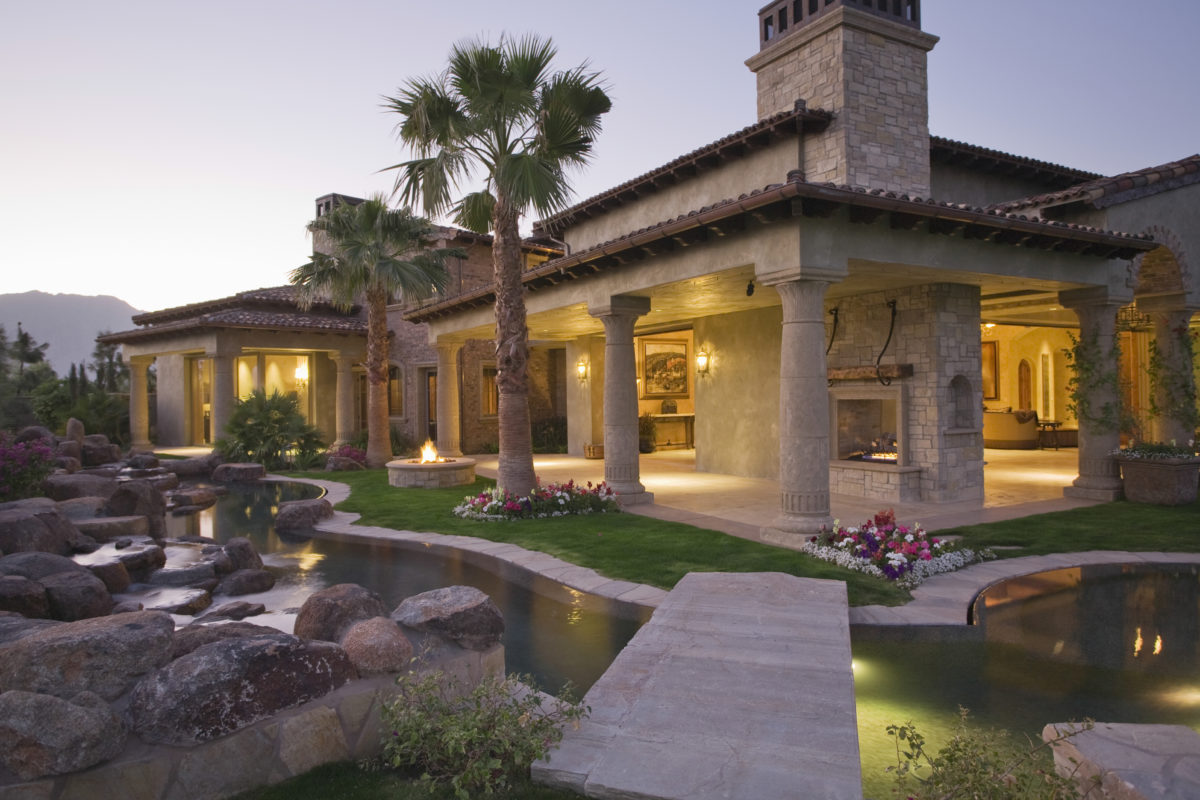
1017, 483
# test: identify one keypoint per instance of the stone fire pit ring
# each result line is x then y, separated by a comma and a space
409, 474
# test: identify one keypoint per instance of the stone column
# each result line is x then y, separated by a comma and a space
139, 405
449, 436
1175, 384
1100, 412
621, 467
223, 395
344, 398
803, 415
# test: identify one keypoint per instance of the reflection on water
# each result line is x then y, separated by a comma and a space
1113, 643
553, 632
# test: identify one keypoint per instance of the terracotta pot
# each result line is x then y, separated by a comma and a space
1163, 482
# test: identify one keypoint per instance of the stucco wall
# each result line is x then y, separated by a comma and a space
169, 371
737, 403
1015, 344
956, 184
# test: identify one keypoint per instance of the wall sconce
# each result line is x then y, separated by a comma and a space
581, 370
702, 362
302, 376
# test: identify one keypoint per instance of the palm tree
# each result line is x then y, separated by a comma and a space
499, 114
378, 253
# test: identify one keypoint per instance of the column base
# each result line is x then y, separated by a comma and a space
1103, 494
634, 498
794, 531
450, 452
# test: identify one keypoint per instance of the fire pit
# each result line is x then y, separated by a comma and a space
431, 471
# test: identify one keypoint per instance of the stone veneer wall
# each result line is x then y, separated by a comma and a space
547, 391
344, 724
410, 350
937, 331
873, 75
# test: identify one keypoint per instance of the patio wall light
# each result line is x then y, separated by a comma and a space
581, 370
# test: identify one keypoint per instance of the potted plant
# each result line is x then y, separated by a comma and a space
1162, 473
647, 433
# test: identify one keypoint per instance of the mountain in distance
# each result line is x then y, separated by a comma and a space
68, 322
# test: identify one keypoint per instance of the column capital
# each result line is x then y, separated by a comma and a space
621, 305
774, 277
1095, 297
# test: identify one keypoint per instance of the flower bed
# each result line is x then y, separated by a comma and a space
882, 548
553, 500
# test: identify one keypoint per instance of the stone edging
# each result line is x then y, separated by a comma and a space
946, 599
583, 579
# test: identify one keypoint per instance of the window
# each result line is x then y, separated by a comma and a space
489, 395
395, 392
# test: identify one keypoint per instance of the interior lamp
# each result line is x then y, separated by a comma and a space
702, 363
302, 375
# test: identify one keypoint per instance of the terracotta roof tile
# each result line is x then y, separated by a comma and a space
1151, 179
953, 151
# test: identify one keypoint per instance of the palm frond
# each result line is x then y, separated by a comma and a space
474, 211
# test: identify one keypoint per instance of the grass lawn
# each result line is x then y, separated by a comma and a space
345, 779
620, 546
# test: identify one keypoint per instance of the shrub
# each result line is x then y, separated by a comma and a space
351, 452
403, 445
23, 467
982, 765
549, 435
479, 742
270, 430
554, 500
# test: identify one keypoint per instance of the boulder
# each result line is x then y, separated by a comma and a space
29, 504
223, 686
35, 566
23, 596
377, 645
141, 498
23, 531
80, 484
221, 562
342, 464
109, 529
43, 735
302, 515
192, 496
112, 573
108, 471
76, 595
105, 655
236, 473
69, 448
242, 553
81, 507
199, 633
13, 626
462, 614
142, 461
187, 604
75, 431
329, 613
141, 560
67, 463
35, 433
200, 466
164, 482
182, 576
237, 610
127, 607
97, 450
246, 581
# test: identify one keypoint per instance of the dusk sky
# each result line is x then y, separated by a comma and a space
169, 152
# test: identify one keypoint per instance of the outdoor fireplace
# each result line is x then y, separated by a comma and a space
867, 423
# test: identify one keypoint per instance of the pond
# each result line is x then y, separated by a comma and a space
554, 633
1110, 643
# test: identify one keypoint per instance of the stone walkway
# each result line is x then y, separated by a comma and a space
739, 687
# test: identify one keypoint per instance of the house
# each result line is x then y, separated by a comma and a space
829, 297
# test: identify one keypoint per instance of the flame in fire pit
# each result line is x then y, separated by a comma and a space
430, 455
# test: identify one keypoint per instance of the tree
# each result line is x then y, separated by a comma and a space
378, 253
26, 350
112, 373
499, 113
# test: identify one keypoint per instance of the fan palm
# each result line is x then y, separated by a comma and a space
376, 253
500, 115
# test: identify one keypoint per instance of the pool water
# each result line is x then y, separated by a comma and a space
552, 632
1110, 643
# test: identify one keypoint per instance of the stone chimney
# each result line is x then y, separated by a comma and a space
864, 60
325, 204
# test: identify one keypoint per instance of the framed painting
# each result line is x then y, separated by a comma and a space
665, 368
991, 371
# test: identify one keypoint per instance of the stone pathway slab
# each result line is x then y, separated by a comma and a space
739, 687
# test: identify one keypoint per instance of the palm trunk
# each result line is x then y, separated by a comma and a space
379, 439
512, 354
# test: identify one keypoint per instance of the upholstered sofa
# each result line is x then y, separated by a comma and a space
1010, 430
